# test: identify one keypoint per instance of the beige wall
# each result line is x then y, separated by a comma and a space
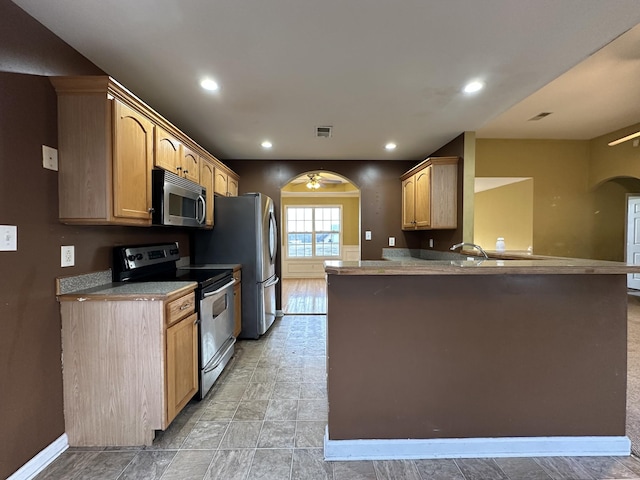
607, 162
350, 213
562, 216
506, 211
580, 189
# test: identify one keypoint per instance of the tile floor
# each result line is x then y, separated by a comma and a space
265, 418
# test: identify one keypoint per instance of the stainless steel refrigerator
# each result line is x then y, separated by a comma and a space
245, 232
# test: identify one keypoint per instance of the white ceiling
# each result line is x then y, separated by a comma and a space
376, 71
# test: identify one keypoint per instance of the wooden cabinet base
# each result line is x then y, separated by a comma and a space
126, 373
106, 402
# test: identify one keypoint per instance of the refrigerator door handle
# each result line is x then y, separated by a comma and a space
271, 282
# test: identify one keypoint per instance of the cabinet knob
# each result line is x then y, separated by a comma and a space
186, 171
178, 168
151, 210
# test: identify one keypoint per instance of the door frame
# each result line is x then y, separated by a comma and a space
633, 283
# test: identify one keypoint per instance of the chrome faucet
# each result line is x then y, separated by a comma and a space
473, 245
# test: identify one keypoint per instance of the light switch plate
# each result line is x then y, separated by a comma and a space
392, 241
67, 256
49, 158
8, 238
367, 235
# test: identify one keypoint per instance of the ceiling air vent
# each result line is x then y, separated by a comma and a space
323, 132
540, 116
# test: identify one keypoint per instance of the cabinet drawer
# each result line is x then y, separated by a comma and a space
180, 308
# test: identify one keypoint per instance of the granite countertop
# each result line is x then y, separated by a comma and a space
130, 291
416, 266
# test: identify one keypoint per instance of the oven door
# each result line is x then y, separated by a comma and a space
216, 333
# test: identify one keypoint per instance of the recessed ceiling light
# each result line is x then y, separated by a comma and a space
209, 84
266, 144
390, 146
473, 87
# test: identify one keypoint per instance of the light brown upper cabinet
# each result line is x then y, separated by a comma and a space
109, 141
132, 157
225, 183
232, 186
206, 180
172, 155
190, 164
429, 195
106, 155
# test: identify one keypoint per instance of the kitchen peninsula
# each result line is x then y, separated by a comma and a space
476, 358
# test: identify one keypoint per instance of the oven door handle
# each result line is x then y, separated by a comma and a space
208, 294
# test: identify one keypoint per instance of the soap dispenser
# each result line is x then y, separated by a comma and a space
500, 244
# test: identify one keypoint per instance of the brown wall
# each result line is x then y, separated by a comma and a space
30, 369
380, 194
408, 359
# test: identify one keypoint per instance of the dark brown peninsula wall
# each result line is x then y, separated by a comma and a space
466, 356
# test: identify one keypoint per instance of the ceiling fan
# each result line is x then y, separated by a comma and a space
316, 180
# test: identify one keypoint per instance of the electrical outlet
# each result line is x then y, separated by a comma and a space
67, 256
431, 243
367, 235
392, 241
49, 158
8, 238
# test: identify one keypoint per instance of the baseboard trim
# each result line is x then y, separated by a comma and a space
38, 463
475, 448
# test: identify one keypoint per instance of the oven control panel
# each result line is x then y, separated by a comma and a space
147, 255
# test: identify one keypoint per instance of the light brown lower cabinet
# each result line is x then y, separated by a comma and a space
129, 366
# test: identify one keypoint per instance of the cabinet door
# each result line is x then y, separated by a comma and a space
167, 151
190, 164
221, 182
408, 203
206, 180
232, 186
182, 364
132, 161
423, 198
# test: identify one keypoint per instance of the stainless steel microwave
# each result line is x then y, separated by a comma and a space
177, 201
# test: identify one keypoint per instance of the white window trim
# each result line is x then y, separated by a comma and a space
313, 243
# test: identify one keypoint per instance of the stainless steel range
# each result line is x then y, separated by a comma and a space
144, 263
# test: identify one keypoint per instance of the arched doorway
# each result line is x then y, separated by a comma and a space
320, 220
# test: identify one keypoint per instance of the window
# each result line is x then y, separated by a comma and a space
313, 231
